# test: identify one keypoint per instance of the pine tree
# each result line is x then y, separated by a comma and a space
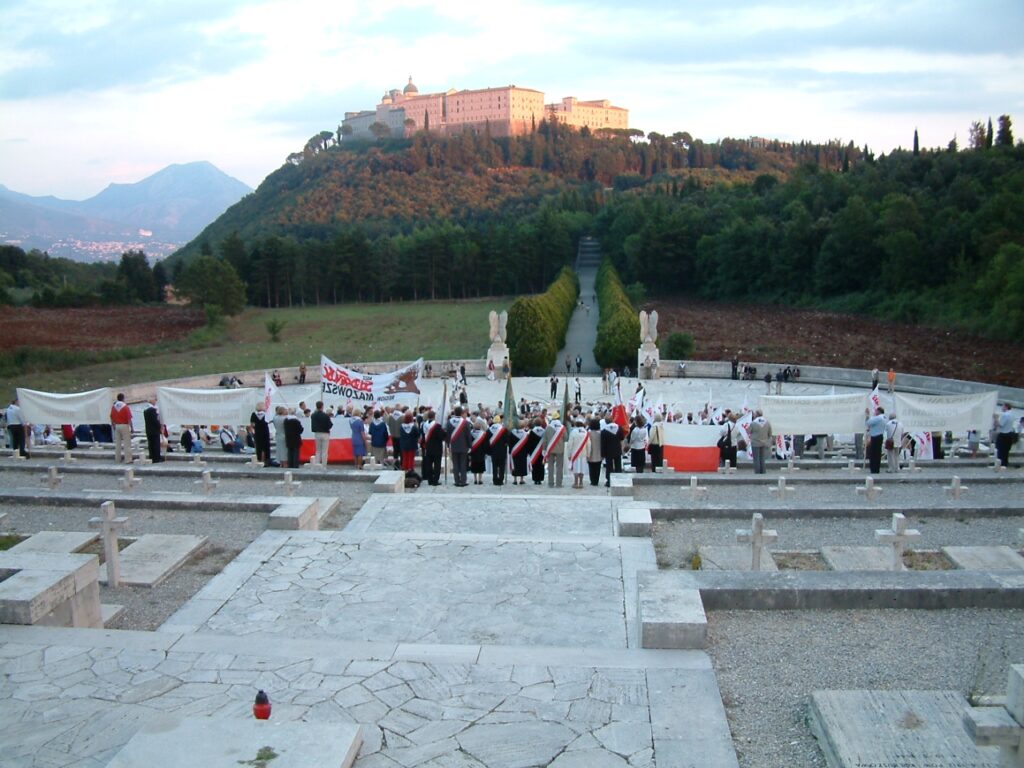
988, 135
917, 146
1004, 137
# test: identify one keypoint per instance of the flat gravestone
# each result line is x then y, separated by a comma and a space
732, 557
985, 558
857, 558
173, 742
896, 729
155, 556
56, 541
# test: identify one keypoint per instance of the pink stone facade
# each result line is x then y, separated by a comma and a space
504, 111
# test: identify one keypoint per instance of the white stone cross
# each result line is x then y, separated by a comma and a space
851, 466
1002, 727
955, 489
197, 459
207, 481
997, 466
869, 489
52, 480
726, 469
696, 491
289, 485
781, 489
758, 538
791, 465
128, 480
109, 527
912, 465
898, 535
16, 456
68, 456
255, 461
143, 460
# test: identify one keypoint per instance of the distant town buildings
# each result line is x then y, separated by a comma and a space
504, 111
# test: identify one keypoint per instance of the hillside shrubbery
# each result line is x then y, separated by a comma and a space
618, 330
537, 325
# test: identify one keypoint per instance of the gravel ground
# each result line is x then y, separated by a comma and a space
675, 541
229, 533
770, 662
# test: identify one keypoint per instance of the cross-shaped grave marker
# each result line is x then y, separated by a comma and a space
912, 465
289, 485
781, 489
143, 460
197, 459
758, 538
869, 489
207, 481
996, 466
1003, 726
254, 460
791, 465
16, 456
68, 456
726, 469
955, 489
851, 466
51, 479
109, 526
897, 535
128, 480
696, 491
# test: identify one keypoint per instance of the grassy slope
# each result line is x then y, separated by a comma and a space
352, 332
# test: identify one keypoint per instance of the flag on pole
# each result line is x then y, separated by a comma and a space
619, 410
510, 416
269, 391
565, 404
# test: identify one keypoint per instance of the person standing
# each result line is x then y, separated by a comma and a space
874, 379
462, 373
457, 435
576, 449
875, 426
407, 442
638, 444
727, 441
579, 391
553, 381
293, 430
478, 449
535, 450
498, 445
121, 420
891, 379
594, 451
358, 438
151, 418
302, 373
280, 447
554, 450
1006, 436
761, 441
893, 443
579, 364
611, 450
568, 365
16, 428
656, 443
379, 434
433, 449
260, 434
320, 423
518, 439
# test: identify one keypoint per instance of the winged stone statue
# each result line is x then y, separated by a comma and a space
652, 327
495, 334
502, 323
643, 326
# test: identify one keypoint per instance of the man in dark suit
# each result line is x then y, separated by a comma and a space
151, 417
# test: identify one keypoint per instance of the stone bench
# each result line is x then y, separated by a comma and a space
50, 589
390, 481
670, 612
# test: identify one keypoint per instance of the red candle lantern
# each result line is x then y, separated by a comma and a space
261, 709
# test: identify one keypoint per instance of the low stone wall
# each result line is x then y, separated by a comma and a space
845, 377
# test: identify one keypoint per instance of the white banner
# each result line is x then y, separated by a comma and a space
821, 415
91, 407
341, 385
956, 413
207, 406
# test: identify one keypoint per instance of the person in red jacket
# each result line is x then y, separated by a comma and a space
121, 420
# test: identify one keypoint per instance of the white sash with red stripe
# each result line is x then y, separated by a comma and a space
430, 431
554, 441
478, 440
458, 429
538, 452
497, 434
518, 447
582, 447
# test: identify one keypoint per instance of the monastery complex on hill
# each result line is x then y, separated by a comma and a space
505, 111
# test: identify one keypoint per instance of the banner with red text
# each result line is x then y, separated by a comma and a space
341, 385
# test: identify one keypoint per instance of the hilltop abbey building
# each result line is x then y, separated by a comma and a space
504, 111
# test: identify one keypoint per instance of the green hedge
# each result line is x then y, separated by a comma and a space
537, 325
618, 330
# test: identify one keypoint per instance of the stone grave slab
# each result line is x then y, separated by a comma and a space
110, 612
732, 557
56, 541
499, 514
174, 742
49, 589
896, 729
155, 556
1001, 558
420, 588
670, 613
857, 558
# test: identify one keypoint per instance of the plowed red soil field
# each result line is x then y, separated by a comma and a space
95, 327
795, 336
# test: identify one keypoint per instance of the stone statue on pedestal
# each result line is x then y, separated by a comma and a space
648, 356
497, 353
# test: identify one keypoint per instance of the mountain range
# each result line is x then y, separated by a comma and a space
157, 214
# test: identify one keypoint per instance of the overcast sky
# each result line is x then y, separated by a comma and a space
95, 91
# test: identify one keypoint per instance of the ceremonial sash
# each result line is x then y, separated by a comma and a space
553, 443
582, 447
496, 436
538, 452
518, 447
457, 431
430, 431
479, 440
